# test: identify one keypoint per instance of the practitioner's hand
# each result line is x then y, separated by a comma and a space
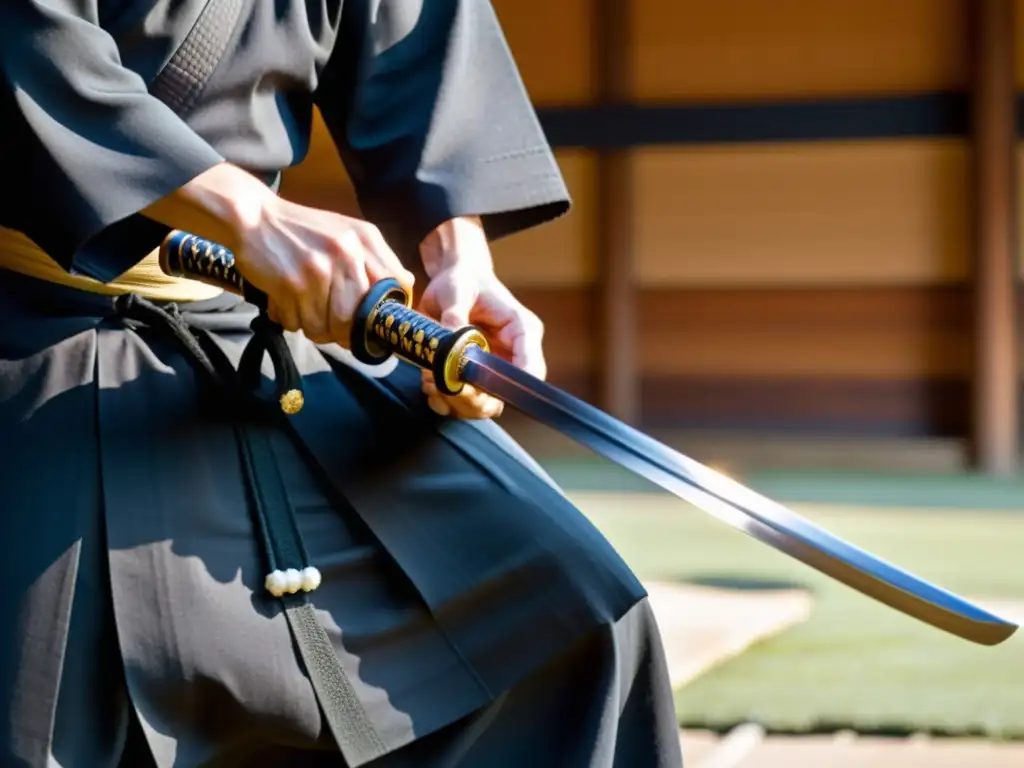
315, 267
463, 289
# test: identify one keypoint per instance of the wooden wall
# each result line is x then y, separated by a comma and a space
801, 284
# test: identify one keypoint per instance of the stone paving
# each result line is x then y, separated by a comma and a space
702, 627
706, 750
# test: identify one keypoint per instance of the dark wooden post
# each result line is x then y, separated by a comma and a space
995, 438
617, 370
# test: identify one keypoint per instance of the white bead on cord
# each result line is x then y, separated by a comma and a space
290, 581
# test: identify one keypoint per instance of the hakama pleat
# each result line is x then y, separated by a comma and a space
481, 619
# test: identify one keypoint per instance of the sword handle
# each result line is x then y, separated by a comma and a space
384, 324
186, 255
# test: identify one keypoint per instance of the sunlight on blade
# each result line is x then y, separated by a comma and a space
733, 503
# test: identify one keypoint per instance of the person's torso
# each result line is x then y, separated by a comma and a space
255, 110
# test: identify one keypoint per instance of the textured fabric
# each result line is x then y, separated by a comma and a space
422, 98
181, 81
481, 619
453, 568
19, 254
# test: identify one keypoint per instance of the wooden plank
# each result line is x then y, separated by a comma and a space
731, 50
916, 408
877, 334
805, 214
1018, 44
616, 321
553, 45
560, 253
995, 438
873, 334
891, 361
320, 180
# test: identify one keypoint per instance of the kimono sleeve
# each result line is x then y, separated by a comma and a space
432, 121
88, 146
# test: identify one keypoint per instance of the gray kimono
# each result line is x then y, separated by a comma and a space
480, 619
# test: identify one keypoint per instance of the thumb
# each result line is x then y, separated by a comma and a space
455, 318
455, 312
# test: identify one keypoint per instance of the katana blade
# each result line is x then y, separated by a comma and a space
731, 502
384, 325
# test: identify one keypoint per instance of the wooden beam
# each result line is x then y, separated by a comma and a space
617, 374
995, 405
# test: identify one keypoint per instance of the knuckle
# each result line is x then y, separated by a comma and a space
532, 323
343, 309
360, 278
316, 269
293, 282
370, 233
348, 243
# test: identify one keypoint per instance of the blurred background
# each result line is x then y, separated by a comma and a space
795, 255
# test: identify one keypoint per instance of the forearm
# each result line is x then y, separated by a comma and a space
220, 204
225, 203
461, 240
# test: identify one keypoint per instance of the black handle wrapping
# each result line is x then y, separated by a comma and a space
186, 255
385, 324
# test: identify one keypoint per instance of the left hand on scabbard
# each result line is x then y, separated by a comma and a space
463, 290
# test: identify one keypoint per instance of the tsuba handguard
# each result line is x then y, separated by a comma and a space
384, 324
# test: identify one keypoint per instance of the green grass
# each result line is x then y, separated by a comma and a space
856, 663
897, 489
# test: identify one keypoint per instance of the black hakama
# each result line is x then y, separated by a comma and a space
482, 619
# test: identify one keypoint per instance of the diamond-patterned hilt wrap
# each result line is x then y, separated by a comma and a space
186, 255
385, 324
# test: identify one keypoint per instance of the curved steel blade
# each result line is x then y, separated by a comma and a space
732, 502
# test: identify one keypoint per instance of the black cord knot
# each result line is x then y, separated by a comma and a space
268, 338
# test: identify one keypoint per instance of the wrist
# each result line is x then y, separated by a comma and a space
223, 204
237, 199
456, 242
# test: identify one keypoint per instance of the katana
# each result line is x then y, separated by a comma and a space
385, 325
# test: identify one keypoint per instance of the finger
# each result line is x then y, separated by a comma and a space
348, 287
483, 408
524, 335
429, 387
439, 405
429, 304
471, 403
458, 303
382, 261
314, 302
284, 311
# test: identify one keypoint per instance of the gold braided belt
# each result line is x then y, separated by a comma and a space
19, 254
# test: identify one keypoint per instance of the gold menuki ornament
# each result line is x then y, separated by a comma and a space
185, 255
292, 401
